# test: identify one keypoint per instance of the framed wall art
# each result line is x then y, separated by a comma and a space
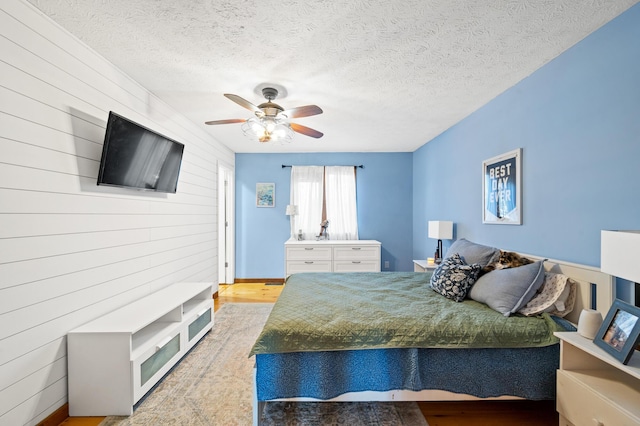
619, 332
265, 194
502, 189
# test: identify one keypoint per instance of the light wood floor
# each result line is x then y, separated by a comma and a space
484, 413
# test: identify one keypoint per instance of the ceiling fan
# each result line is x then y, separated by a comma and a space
271, 121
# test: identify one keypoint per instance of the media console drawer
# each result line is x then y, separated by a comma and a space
152, 365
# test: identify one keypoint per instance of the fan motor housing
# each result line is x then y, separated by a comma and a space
270, 109
270, 93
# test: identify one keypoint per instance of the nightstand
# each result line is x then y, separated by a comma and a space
593, 387
424, 266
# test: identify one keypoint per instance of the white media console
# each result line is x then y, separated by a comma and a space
114, 360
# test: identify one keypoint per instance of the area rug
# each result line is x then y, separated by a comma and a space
213, 385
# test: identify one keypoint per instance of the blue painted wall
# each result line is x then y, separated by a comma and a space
578, 122
384, 193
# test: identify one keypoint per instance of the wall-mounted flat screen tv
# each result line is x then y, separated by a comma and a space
136, 157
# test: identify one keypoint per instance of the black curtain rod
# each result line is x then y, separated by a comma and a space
360, 166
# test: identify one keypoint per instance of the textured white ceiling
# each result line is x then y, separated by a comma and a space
389, 75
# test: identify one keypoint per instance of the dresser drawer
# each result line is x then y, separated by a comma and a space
297, 266
308, 253
356, 253
580, 404
356, 266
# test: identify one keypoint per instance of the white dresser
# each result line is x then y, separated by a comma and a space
332, 256
593, 387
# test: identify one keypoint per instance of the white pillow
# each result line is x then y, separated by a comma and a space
561, 302
556, 296
570, 302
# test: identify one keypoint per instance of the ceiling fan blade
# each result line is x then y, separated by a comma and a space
230, 121
306, 130
303, 111
242, 102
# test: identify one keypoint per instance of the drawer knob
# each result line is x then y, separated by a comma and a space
308, 248
597, 422
308, 262
355, 261
356, 248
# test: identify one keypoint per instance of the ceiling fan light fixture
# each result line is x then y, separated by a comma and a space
271, 121
267, 129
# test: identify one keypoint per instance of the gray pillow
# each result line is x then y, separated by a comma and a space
474, 253
508, 290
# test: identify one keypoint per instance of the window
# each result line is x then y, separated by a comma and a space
325, 193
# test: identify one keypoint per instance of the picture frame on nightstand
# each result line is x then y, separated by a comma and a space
620, 331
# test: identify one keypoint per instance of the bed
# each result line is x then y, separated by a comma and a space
389, 337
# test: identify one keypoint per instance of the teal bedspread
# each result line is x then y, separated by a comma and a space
343, 311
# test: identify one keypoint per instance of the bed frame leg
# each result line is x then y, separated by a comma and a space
258, 406
258, 409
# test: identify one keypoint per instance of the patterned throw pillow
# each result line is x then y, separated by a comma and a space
453, 278
557, 295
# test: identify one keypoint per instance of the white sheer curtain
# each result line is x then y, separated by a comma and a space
307, 193
342, 213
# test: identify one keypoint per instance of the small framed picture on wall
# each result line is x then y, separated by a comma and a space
265, 194
502, 189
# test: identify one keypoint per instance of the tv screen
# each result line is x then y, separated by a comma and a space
136, 157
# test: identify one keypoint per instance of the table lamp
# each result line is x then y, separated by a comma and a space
292, 210
442, 230
619, 257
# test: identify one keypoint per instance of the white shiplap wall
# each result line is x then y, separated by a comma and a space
71, 251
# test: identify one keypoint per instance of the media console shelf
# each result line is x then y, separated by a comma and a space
593, 387
114, 360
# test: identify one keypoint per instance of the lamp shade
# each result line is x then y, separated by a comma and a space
620, 253
441, 229
291, 210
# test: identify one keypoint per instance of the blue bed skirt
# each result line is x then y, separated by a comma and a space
529, 373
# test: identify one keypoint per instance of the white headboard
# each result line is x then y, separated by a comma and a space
587, 277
